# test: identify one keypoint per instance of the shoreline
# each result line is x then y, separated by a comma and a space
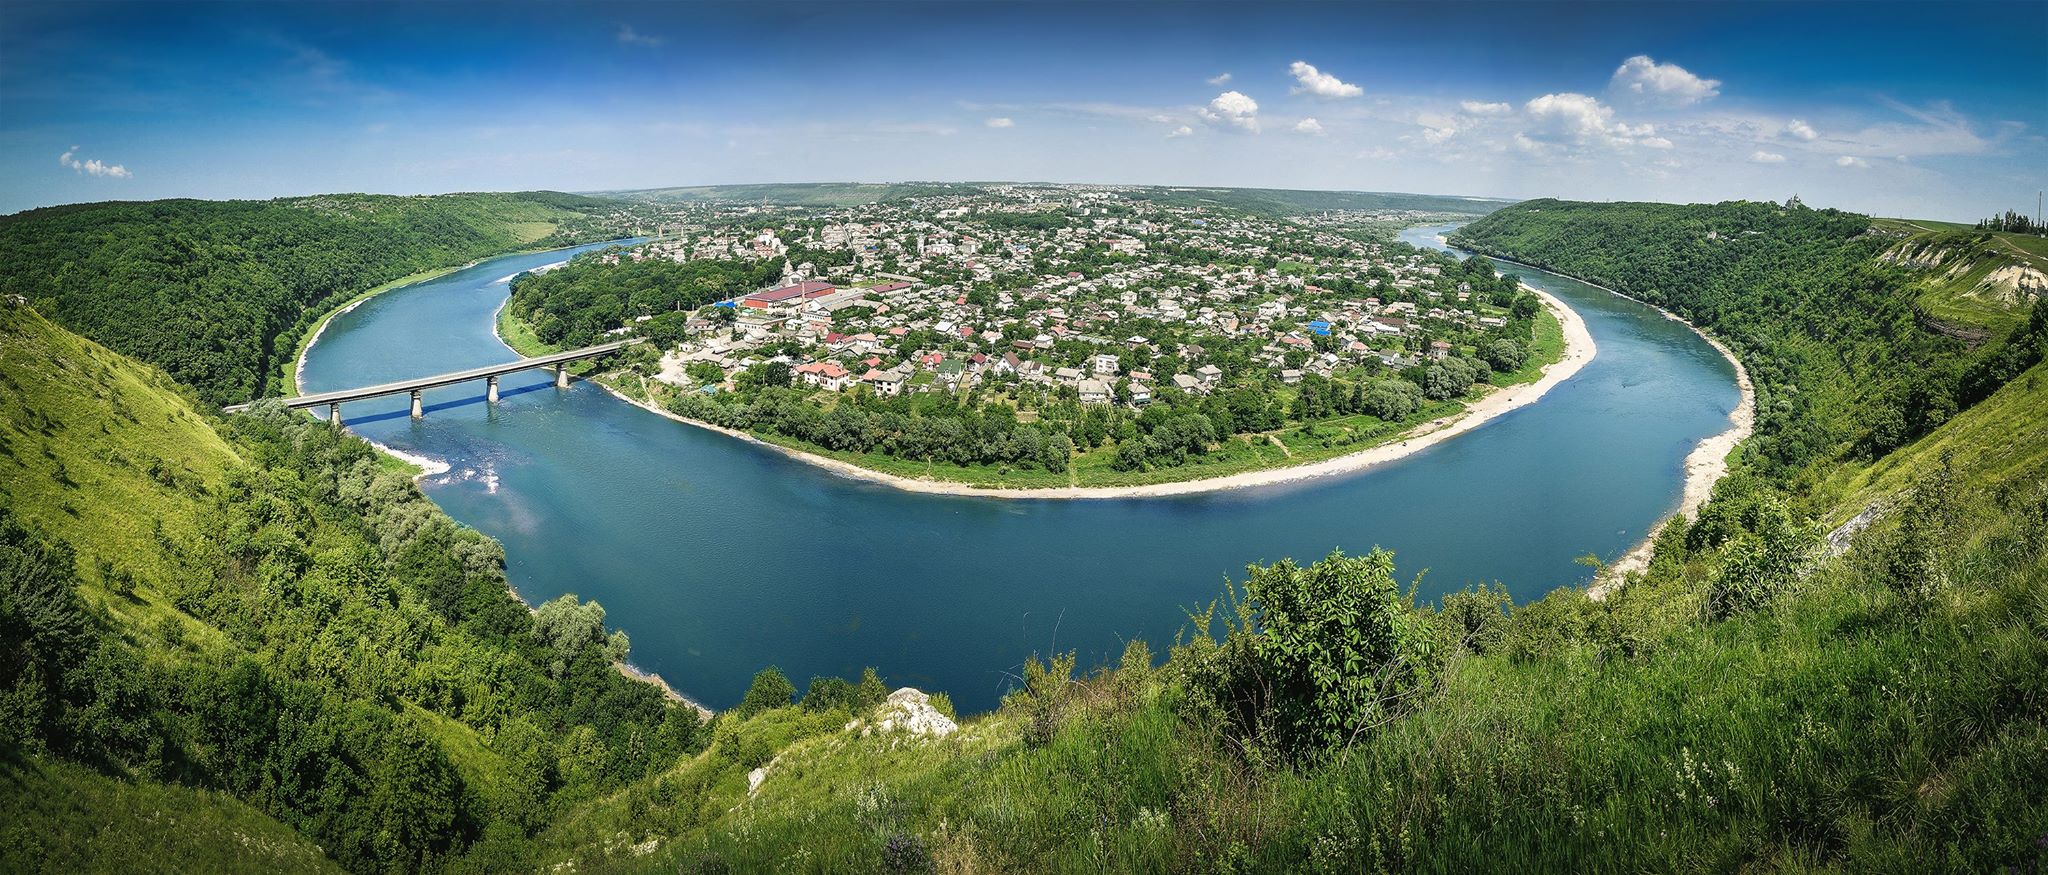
1704, 465
1579, 349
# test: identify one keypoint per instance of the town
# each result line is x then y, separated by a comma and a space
1038, 298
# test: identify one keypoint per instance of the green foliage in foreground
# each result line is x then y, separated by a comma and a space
218, 293
294, 625
1830, 727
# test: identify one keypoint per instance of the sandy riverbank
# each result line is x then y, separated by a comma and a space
1704, 466
1578, 350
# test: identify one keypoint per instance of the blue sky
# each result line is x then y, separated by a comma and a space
1930, 110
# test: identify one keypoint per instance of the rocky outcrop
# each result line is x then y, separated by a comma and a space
907, 710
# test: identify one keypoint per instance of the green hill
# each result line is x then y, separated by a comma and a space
250, 618
1973, 282
257, 608
218, 293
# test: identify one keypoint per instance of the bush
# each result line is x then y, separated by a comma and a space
771, 689
1761, 563
1318, 656
1476, 618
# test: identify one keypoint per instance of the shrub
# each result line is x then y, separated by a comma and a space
1477, 618
1318, 656
1762, 562
771, 689
1043, 697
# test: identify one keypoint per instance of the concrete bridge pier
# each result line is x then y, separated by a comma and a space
491, 393
334, 414
562, 376
418, 412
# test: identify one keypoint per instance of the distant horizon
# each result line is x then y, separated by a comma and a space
1668, 102
602, 192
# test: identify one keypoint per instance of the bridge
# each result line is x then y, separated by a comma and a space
489, 374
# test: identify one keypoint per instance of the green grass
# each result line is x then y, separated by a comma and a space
1958, 292
57, 817
2001, 440
1828, 732
101, 448
1546, 347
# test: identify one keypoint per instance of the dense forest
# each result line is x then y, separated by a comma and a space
577, 304
261, 608
1845, 363
218, 293
321, 640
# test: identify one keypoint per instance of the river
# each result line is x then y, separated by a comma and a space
720, 557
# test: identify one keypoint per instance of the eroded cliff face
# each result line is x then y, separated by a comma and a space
1975, 269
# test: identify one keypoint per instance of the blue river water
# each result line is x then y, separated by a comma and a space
720, 557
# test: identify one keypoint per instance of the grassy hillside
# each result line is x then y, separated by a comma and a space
1973, 282
218, 293
257, 607
58, 817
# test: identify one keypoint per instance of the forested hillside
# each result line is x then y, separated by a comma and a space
1848, 366
217, 293
257, 606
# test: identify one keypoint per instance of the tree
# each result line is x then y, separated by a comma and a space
771, 689
1504, 355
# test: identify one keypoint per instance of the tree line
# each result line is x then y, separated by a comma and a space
219, 293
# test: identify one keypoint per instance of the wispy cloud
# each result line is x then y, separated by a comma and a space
1220, 79
1317, 83
92, 166
630, 37
1181, 131
1762, 157
1477, 107
1851, 161
1000, 122
1799, 128
1309, 126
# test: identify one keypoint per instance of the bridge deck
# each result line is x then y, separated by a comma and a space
341, 396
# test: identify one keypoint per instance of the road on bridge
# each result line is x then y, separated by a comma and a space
416, 385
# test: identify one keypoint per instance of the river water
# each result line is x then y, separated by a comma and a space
720, 557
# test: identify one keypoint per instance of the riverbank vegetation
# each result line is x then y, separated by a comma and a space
194, 608
219, 293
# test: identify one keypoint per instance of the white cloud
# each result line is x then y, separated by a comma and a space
1235, 109
1309, 126
1851, 161
1220, 79
629, 36
1182, 131
1799, 128
1663, 84
1437, 128
92, 166
1476, 107
1576, 118
1762, 157
1000, 123
1320, 84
